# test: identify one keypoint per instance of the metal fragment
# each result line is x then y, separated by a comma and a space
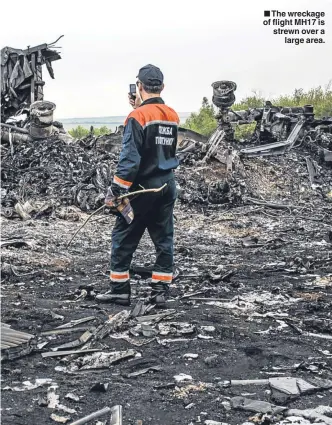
92, 416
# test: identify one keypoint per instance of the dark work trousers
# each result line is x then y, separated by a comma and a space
154, 212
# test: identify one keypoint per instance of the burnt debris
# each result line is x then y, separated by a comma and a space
57, 172
277, 130
22, 78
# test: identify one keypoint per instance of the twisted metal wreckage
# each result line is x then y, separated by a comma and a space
29, 166
22, 91
278, 129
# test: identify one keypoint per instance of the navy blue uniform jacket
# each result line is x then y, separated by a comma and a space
149, 143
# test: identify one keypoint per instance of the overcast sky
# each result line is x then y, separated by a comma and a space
194, 44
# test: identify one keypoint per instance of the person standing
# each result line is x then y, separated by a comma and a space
147, 160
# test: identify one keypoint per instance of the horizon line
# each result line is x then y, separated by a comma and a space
105, 116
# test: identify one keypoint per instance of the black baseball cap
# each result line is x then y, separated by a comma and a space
150, 75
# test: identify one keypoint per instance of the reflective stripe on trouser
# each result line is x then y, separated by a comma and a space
119, 276
161, 277
154, 212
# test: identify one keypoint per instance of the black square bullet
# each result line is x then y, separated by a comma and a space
266, 13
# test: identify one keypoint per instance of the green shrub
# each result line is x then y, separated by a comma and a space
204, 121
254, 101
244, 131
79, 132
102, 131
319, 97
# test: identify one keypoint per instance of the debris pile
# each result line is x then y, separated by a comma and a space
77, 173
297, 177
284, 126
58, 173
283, 136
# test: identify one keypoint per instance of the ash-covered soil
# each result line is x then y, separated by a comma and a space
285, 275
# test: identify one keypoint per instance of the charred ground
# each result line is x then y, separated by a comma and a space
263, 270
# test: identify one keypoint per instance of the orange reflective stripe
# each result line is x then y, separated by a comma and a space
119, 276
122, 182
161, 277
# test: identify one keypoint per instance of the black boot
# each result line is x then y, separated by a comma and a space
159, 294
119, 294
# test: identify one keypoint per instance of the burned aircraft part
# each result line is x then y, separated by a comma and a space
277, 147
187, 134
223, 98
278, 128
41, 115
14, 135
223, 93
21, 76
